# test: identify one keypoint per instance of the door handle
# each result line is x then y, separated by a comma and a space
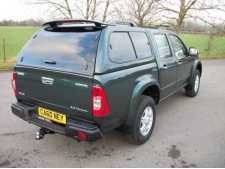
180, 61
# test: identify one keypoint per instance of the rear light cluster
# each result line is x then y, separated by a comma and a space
14, 83
100, 106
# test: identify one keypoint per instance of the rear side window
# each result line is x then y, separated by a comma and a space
69, 51
163, 46
120, 48
141, 44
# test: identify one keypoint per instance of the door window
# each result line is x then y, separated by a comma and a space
180, 50
163, 46
120, 48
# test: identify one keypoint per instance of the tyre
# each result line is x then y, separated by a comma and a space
193, 88
144, 121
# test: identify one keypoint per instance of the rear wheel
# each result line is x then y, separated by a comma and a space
193, 88
144, 121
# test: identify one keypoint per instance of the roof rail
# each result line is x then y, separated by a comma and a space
125, 23
80, 21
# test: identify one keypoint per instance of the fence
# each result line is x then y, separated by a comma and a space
8, 50
11, 44
3, 50
7, 56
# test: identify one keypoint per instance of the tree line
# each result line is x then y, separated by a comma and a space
29, 22
179, 15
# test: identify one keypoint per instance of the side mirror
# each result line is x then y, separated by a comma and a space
193, 52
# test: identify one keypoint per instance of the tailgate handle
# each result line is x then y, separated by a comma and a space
52, 62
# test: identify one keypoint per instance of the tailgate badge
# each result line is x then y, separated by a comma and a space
20, 73
81, 85
47, 81
78, 109
21, 93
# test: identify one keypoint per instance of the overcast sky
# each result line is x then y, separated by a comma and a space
21, 10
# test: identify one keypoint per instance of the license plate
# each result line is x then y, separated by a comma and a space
51, 115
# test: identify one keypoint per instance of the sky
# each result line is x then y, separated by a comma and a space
21, 10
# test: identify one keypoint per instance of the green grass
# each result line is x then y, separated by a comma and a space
16, 37
6, 66
201, 42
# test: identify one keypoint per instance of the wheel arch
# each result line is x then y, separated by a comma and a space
152, 91
146, 88
196, 66
199, 67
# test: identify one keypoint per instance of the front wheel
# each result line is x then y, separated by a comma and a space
193, 88
144, 121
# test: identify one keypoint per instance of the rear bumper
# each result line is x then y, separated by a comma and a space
71, 129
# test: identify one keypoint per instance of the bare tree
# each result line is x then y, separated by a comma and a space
223, 28
178, 10
87, 8
106, 10
214, 29
107, 5
118, 13
142, 12
93, 14
61, 6
92, 9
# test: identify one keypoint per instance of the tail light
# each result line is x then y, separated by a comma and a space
14, 83
100, 106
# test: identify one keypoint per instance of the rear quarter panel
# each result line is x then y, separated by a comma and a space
120, 87
120, 80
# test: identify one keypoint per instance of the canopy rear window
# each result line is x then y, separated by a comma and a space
67, 51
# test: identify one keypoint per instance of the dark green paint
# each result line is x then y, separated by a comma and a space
123, 83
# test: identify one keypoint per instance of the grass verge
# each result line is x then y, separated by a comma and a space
6, 66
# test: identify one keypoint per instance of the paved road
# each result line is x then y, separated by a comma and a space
188, 133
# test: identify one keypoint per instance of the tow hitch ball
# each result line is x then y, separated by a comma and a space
40, 134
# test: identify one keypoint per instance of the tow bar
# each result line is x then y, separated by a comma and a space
40, 134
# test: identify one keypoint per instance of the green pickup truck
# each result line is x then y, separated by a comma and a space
84, 78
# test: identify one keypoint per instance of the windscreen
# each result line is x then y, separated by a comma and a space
65, 51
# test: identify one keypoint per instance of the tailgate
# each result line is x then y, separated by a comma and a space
66, 93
